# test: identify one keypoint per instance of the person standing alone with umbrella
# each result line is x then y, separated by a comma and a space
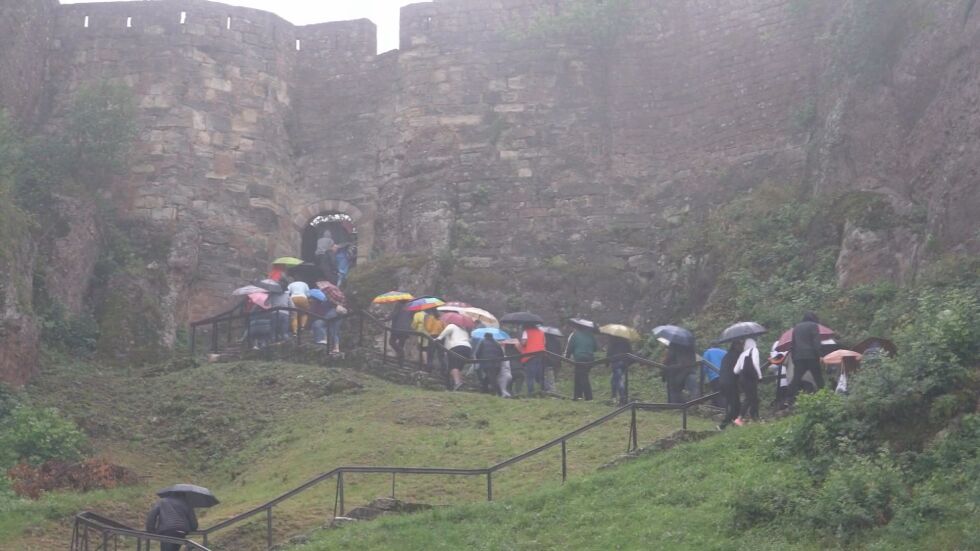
581, 349
173, 516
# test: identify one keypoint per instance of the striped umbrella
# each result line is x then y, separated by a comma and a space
424, 303
332, 291
392, 296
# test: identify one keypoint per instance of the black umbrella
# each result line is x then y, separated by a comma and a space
553, 331
196, 496
741, 330
674, 335
522, 318
584, 323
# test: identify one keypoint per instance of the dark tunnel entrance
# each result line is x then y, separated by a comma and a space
341, 229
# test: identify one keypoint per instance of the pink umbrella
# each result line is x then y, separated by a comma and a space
458, 320
786, 339
260, 299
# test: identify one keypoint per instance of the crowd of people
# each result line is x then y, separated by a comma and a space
460, 345
312, 292
473, 347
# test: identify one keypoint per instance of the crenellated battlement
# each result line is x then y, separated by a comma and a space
200, 22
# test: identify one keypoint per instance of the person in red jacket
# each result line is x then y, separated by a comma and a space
533, 344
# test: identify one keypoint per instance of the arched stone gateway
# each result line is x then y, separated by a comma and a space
363, 224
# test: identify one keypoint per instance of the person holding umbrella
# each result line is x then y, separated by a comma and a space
806, 353
173, 514
457, 340
581, 350
533, 343
729, 385
490, 354
619, 350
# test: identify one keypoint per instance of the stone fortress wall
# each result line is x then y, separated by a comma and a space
507, 154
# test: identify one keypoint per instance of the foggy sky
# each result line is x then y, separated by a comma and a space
384, 13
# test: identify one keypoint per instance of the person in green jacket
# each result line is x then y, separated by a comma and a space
581, 348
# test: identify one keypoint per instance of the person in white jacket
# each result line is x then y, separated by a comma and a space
457, 340
749, 372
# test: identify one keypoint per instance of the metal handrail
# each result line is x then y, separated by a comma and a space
107, 527
338, 472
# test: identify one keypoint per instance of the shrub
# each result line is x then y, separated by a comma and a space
859, 493
84, 476
34, 435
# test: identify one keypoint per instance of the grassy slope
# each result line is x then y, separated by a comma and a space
680, 499
252, 430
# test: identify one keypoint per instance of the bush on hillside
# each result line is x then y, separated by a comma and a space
35, 435
84, 476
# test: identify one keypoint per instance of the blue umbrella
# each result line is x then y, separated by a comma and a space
497, 334
317, 294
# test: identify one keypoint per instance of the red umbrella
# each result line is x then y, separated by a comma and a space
786, 340
459, 320
332, 291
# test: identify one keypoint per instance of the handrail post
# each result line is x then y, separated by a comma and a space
633, 436
626, 384
392, 485
489, 485
340, 481
268, 527
205, 542
700, 380
193, 339
564, 462
684, 418
214, 338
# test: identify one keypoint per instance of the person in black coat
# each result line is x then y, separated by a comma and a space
171, 516
489, 352
681, 361
806, 353
729, 384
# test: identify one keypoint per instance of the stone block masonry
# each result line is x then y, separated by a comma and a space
531, 150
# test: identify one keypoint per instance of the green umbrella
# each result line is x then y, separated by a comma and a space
287, 261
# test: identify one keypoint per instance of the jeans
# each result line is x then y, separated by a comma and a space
343, 265
618, 380
328, 330
534, 371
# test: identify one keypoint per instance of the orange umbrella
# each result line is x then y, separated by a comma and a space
838, 356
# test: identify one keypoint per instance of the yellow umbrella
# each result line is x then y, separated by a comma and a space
481, 315
287, 261
621, 331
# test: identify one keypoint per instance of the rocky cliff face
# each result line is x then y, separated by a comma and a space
524, 146
25, 36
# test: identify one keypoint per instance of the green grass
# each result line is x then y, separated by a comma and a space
684, 498
252, 430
